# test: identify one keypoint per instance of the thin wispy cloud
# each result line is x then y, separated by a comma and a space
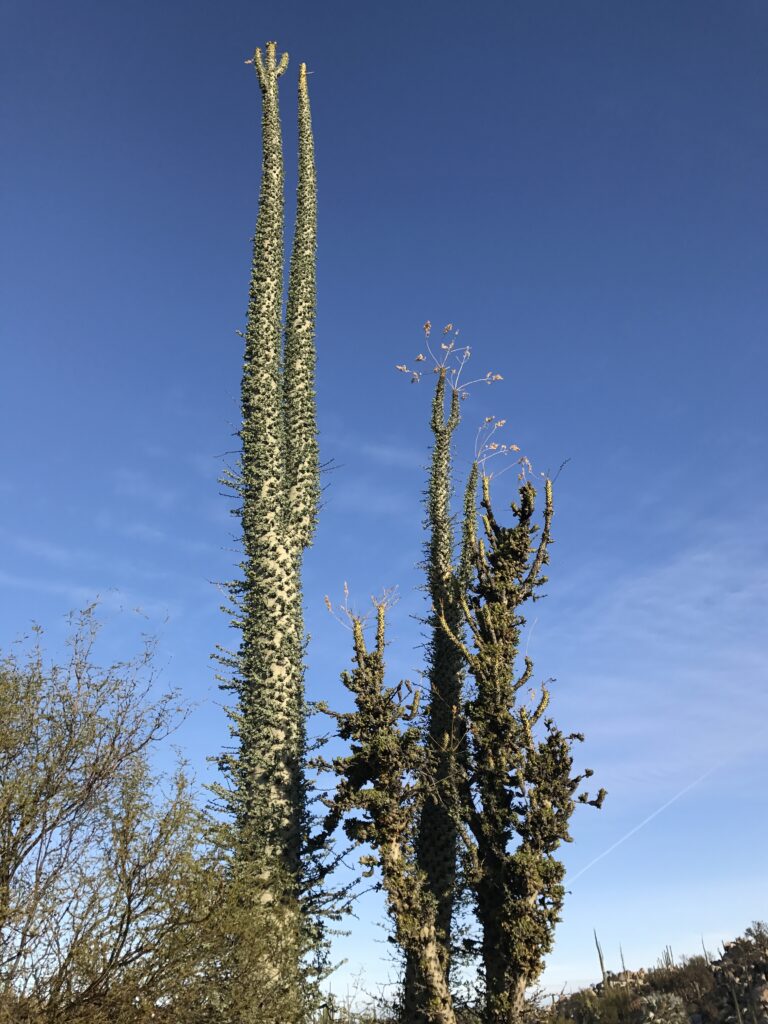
673, 656
143, 532
141, 487
393, 453
371, 496
148, 533
399, 455
78, 595
153, 535
39, 547
74, 593
666, 671
207, 465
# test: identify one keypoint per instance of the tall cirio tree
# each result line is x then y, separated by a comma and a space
436, 840
277, 486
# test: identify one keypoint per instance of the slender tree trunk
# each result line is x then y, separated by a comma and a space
270, 651
278, 491
506, 979
418, 935
436, 843
299, 358
278, 488
298, 401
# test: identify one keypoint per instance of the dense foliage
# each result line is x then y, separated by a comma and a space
116, 903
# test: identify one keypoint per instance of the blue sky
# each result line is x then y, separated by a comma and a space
581, 188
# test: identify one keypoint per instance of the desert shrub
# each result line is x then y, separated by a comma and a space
116, 904
731, 990
692, 981
741, 978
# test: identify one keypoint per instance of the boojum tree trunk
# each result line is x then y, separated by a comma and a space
516, 792
267, 771
436, 842
277, 486
301, 456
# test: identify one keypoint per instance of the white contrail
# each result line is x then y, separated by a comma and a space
645, 821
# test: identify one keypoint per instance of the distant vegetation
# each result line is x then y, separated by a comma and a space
731, 988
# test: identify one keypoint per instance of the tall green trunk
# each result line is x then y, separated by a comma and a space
267, 772
298, 400
436, 842
278, 490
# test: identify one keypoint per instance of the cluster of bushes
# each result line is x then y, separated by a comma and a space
732, 989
